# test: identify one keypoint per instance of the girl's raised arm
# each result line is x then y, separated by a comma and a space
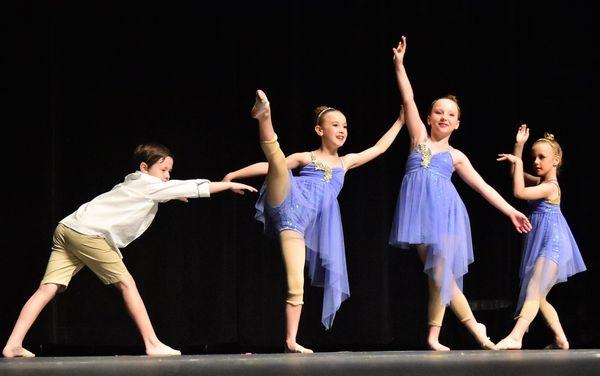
520, 140
357, 159
520, 191
416, 128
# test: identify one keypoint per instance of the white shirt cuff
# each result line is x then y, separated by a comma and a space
203, 188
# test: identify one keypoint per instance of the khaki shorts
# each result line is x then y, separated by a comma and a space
71, 251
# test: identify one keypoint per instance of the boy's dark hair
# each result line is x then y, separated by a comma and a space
150, 153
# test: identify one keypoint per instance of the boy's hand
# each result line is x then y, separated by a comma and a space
240, 188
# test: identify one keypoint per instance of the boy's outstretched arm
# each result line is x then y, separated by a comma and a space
239, 188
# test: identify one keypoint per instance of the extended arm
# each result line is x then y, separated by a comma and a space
520, 191
220, 186
358, 159
416, 128
466, 171
261, 168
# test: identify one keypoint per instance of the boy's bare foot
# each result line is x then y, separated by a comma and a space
294, 348
509, 343
436, 346
160, 349
261, 106
17, 352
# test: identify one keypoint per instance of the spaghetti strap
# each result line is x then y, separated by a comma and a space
555, 182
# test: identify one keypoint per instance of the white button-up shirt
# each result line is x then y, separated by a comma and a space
122, 214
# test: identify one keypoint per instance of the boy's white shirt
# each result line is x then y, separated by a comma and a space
122, 214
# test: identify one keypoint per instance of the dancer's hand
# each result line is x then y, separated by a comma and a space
508, 157
522, 134
520, 221
240, 188
399, 52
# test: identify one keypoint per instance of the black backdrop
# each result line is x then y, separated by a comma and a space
84, 84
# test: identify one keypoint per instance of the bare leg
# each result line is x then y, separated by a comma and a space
294, 254
28, 315
137, 311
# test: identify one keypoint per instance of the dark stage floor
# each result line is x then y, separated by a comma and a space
487, 363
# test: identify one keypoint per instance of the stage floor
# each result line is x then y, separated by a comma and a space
414, 363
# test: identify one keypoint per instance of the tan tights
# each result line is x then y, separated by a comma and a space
292, 243
542, 280
436, 310
294, 255
458, 304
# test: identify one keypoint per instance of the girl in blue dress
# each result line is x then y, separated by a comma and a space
304, 210
430, 215
550, 253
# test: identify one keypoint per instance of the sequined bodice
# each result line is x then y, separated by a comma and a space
330, 181
421, 159
543, 206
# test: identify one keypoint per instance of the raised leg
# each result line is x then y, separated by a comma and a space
277, 179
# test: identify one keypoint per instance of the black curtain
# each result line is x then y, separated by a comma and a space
86, 82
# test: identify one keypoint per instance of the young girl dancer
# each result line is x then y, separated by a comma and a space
550, 253
430, 215
304, 209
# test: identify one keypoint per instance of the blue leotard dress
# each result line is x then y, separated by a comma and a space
311, 209
430, 212
552, 239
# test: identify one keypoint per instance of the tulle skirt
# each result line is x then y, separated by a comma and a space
429, 212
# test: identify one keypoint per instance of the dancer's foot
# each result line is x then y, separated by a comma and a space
509, 343
482, 338
436, 346
16, 352
294, 348
261, 106
160, 349
558, 344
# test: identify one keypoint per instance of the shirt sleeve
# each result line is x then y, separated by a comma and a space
172, 189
